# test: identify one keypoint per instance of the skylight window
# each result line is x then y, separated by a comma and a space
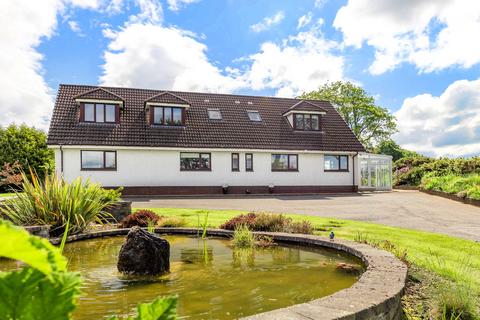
254, 115
214, 114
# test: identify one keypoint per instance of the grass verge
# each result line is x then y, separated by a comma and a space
455, 259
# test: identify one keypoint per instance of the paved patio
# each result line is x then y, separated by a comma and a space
401, 208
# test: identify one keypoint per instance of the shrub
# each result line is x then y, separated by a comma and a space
243, 219
28, 146
112, 195
140, 218
268, 222
304, 227
463, 186
11, 175
243, 237
411, 170
54, 202
172, 222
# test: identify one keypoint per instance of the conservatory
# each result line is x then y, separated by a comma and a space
375, 171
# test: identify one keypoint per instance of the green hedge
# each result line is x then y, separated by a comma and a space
411, 170
462, 186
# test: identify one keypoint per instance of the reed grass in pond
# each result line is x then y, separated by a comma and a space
212, 280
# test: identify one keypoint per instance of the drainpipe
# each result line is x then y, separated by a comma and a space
61, 159
353, 170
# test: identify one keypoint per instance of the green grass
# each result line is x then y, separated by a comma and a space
453, 258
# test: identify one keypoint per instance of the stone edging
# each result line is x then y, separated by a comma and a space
453, 197
376, 295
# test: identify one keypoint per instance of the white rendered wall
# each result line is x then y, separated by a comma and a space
162, 168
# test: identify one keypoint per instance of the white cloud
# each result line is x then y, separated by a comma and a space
304, 20
24, 94
268, 22
432, 35
445, 125
319, 3
150, 12
75, 28
300, 63
176, 5
153, 56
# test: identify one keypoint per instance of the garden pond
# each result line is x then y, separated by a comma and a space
212, 279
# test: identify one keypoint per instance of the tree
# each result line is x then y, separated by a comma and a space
369, 122
26, 146
391, 148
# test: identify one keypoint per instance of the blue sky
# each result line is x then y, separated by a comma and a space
415, 57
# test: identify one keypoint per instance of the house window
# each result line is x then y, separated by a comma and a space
306, 122
254, 115
98, 160
167, 116
336, 163
248, 162
284, 162
194, 161
100, 112
214, 114
235, 162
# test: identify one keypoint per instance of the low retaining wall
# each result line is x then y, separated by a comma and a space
218, 190
120, 210
40, 231
454, 197
376, 295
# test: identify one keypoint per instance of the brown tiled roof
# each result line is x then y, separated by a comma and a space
235, 130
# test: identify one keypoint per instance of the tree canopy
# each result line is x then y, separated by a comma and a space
391, 148
27, 146
369, 122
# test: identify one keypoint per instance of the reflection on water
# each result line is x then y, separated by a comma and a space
212, 280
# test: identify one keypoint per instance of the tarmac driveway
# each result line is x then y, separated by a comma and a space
401, 208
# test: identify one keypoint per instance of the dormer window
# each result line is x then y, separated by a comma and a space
306, 122
214, 114
254, 115
99, 112
167, 116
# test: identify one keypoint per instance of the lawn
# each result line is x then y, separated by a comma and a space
453, 258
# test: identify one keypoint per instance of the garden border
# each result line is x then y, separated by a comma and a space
453, 197
376, 295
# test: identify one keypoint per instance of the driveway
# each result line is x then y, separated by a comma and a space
400, 208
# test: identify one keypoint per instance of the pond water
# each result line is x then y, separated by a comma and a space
212, 280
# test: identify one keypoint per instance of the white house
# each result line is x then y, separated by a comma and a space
161, 142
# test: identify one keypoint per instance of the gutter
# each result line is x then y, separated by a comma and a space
353, 169
61, 159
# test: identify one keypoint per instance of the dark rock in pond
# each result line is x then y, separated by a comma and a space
144, 253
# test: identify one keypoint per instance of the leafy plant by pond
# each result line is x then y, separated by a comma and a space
243, 238
53, 201
268, 222
44, 289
